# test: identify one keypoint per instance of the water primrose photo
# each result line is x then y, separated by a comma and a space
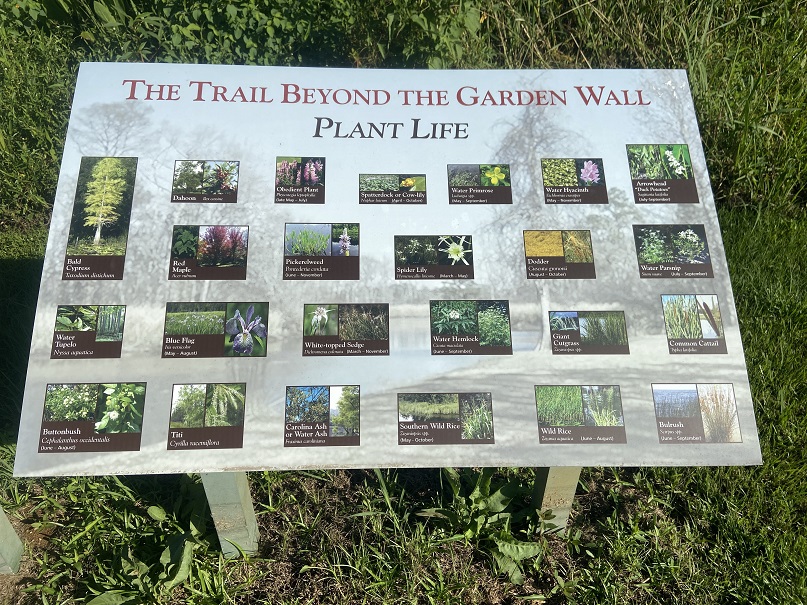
659, 162
495, 175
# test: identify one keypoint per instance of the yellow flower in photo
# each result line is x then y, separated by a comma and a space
495, 175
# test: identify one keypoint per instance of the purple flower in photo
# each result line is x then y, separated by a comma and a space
243, 330
590, 173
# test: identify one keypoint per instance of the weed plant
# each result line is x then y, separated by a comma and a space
561, 321
70, 318
710, 318
602, 405
464, 175
307, 242
577, 247
363, 322
559, 406
379, 182
719, 413
605, 328
476, 415
681, 316
454, 317
194, 322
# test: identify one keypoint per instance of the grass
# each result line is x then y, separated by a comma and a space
559, 406
681, 316
195, 322
667, 535
603, 328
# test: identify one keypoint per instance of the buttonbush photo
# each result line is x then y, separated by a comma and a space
70, 402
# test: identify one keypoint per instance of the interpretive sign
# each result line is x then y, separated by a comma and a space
318, 268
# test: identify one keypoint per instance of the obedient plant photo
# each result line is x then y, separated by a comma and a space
300, 172
99, 225
205, 177
246, 330
194, 318
659, 162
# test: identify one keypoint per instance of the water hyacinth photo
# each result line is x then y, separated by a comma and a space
571, 172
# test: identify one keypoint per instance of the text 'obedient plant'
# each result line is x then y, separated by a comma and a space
243, 330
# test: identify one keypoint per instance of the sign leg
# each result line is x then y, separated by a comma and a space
554, 489
10, 546
232, 511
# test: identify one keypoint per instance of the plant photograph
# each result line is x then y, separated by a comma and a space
464, 175
207, 405
709, 315
120, 407
543, 243
109, 325
602, 406
453, 249
559, 172
604, 328
428, 407
100, 222
194, 318
309, 239
184, 241
416, 250
344, 411
493, 318
659, 162
205, 177
676, 400
589, 172
719, 413
363, 322
454, 317
559, 406
76, 318
411, 182
671, 243
320, 320
345, 239
562, 321
70, 402
300, 172
245, 329
692, 316
222, 246
308, 404
495, 175
392, 182
476, 415
577, 246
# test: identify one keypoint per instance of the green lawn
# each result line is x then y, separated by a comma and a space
696, 535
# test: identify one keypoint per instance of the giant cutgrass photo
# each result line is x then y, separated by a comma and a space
215, 329
470, 327
687, 413
693, 323
205, 181
88, 331
445, 418
209, 252
580, 414
322, 416
589, 332
346, 329
80, 417
99, 224
207, 416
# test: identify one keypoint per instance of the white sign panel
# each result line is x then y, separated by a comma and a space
255, 268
